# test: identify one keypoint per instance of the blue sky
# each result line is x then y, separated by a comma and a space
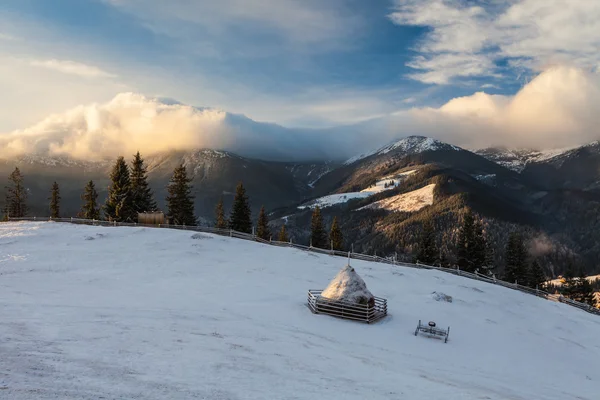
307, 63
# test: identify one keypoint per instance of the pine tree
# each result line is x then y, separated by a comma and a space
479, 248
516, 260
336, 238
142, 197
569, 287
283, 235
16, 196
90, 209
427, 253
537, 278
584, 292
221, 222
54, 201
180, 201
241, 219
119, 203
262, 226
318, 238
466, 243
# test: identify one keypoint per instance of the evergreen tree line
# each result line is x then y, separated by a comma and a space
318, 234
240, 217
128, 194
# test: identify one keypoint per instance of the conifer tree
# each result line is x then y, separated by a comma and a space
283, 235
54, 201
16, 195
466, 243
318, 237
516, 260
142, 197
537, 278
180, 201
336, 238
221, 222
479, 247
240, 219
119, 203
584, 290
262, 225
427, 252
90, 209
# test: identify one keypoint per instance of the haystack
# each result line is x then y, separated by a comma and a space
349, 287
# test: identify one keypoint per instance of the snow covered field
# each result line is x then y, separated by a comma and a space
139, 313
330, 200
408, 202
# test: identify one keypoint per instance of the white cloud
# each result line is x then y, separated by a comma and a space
556, 109
308, 22
4, 36
468, 40
73, 68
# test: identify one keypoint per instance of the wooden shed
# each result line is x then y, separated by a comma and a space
151, 218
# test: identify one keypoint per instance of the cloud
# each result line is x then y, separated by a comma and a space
471, 39
556, 109
311, 23
72, 68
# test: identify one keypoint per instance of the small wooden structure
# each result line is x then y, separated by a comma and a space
151, 218
338, 308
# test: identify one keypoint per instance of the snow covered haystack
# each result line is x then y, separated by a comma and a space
349, 287
347, 297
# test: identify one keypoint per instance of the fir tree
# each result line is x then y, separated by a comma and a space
569, 287
16, 196
54, 201
584, 292
240, 219
90, 209
336, 238
516, 260
537, 278
180, 201
221, 222
119, 203
427, 253
142, 197
262, 226
283, 235
318, 237
479, 248
466, 243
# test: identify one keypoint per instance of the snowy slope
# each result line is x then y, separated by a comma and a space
137, 313
517, 159
338, 198
411, 201
408, 145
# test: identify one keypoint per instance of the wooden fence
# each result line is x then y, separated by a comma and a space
357, 256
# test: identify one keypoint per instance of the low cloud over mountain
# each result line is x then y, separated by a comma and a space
556, 109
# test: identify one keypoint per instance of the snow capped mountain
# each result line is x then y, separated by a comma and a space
408, 145
517, 159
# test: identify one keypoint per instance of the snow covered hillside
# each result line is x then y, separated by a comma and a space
385, 183
140, 313
408, 202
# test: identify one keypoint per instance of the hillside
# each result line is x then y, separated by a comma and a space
91, 312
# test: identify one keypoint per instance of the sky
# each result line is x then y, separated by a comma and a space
476, 73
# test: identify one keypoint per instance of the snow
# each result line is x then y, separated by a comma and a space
348, 286
408, 202
141, 313
339, 198
408, 145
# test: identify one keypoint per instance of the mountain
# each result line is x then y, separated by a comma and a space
136, 313
517, 159
214, 175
